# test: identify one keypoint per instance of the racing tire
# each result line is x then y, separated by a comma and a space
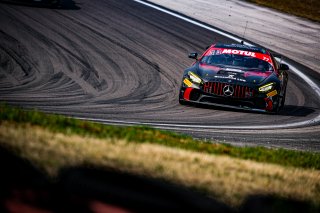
283, 99
278, 106
182, 102
181, 99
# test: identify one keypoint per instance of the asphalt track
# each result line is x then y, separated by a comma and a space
121, 62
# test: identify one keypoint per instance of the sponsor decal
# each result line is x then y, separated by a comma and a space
272, 93
230, 77
234, 70
187, 82
239, 52
215, 52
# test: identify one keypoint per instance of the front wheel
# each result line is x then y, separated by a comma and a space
182, 102
181, 99
283, 99
276, 105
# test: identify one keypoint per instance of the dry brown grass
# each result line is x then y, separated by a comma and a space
308, 8
227, 179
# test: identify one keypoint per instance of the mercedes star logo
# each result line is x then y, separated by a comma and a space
228, 90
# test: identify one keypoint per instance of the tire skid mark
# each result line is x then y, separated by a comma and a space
136, 95
169, 79
18, 54
84, 76
7, 69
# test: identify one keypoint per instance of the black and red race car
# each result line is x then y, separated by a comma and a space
235, 76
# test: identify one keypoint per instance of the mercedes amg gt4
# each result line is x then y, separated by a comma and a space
235, 76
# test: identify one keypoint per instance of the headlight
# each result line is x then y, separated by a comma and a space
194, 78
266, 88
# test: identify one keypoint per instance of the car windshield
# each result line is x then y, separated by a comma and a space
239, 61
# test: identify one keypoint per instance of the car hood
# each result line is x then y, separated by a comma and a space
230, 74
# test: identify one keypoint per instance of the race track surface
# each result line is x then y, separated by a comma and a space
120, 61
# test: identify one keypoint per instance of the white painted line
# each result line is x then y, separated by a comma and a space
203, 128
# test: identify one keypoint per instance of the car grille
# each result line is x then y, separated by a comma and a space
239, 91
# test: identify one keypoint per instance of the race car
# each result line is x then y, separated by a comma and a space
235, 76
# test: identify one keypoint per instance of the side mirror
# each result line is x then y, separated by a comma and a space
193, 55
284, 67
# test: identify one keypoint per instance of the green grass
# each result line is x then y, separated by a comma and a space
309, 9
59, 123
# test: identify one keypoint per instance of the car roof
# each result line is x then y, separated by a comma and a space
242, 47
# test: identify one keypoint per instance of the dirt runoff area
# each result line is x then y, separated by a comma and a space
294, 37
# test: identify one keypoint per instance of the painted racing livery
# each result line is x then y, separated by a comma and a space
235, 76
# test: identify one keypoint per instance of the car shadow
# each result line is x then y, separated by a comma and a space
91, 189
288, 110
298, 111
63, 4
